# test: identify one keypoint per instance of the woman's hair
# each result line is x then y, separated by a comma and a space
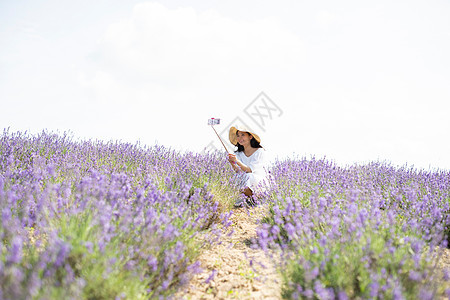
253, 143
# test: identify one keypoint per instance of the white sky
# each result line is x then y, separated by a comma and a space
356, 81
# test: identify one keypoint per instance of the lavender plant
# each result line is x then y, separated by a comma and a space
369, 232
89, 219
96, 220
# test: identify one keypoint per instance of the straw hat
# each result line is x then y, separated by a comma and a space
234, 129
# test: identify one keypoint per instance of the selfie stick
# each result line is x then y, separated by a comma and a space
212, 122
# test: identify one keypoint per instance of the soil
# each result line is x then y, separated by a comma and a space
240, 269
442, 267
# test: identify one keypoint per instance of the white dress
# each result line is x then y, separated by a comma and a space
257, 179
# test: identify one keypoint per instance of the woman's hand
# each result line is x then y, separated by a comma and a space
237, 165
232, 158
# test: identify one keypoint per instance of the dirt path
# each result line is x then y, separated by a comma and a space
443, 267
235, 277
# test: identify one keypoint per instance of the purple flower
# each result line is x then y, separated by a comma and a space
308, 293
446, 274
414, 275
275, 230
416, 246
89, 246
63, 252
397, 293
165, 284
15, 252
342, 295
425, 294
322, 292
211, 277
374, 287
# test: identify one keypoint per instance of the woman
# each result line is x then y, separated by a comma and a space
249, 158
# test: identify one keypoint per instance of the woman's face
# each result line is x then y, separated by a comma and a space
243, 138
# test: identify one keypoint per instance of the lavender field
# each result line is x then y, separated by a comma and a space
94, 220
111, 220
364, 232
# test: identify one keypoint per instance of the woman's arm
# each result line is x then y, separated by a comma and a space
243, 167
237, 165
